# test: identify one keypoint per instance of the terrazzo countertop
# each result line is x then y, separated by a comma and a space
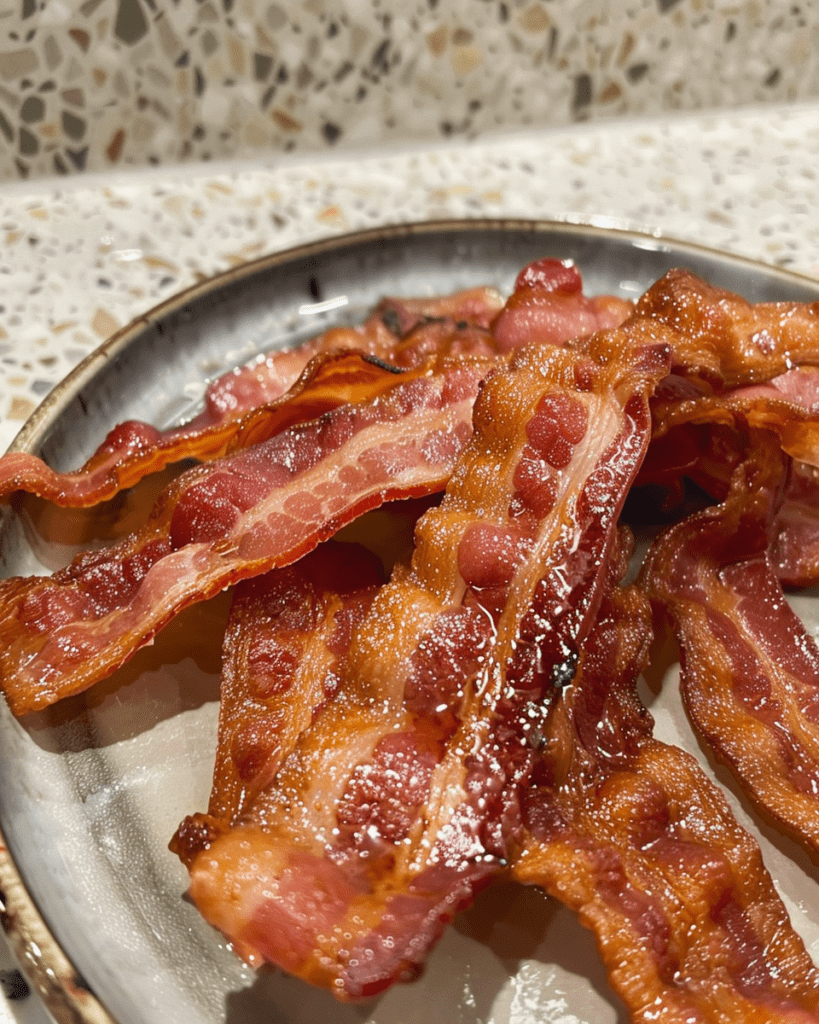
81, 257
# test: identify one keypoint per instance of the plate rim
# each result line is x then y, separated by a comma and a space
46, 966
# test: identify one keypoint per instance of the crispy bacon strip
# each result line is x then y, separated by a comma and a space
284, 651
631, 834
725, 341
750, 670
402, 799
229, 520
133, 449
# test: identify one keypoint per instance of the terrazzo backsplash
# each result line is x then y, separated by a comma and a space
100, 84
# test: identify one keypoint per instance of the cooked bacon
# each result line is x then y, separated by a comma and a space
630, 834
283, 656
134, 449
795, 544
750, 670
402, 799
229, 520
548, 304
725, 341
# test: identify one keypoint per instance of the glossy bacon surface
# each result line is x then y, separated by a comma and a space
284, 654
630, 833
228, 520
133, 449
724, 340
403, 797
749, 668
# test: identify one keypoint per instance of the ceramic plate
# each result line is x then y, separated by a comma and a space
91, 792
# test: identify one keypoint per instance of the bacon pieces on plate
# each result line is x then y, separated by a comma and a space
389, 746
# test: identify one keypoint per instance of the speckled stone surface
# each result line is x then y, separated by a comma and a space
95, 84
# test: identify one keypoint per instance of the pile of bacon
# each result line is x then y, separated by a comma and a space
388, 747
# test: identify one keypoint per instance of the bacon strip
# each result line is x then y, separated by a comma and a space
228, 520
284, 654
750, 670
630, 833
133, 449
725, 341
402, 799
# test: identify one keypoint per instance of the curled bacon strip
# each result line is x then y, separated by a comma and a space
750, 670
228, 520
402, 799
132, 450
725, 341
631, 834
284, 654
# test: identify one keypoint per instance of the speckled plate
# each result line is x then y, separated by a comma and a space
91, 791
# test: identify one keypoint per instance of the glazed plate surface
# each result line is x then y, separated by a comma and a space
91, 792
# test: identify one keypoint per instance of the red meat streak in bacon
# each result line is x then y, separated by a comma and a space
284, 650
402, 799
228, 520
630, 833
749, 669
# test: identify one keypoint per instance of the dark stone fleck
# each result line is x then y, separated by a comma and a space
379, 57
48, 86
666, 5
503, 13
313, 288
78, 157
343, 71
773, 78
266, 99
130, 24
262, 65
59, 164
330, 131
73, 126
198, 82
282, 75
103, 282
582, 91
32, 109
447, 128
332, 29
552, 48
198, 132
362, 92
183, 59
14, 985
29, 143
6, 128
636, 72
22, 169
29, 7
730, 31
